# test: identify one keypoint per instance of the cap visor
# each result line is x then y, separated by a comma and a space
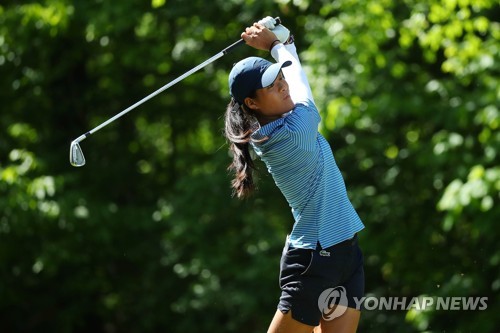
272, 72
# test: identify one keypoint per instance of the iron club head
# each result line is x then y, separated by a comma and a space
76, 157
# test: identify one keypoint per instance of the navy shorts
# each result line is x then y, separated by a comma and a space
306, 276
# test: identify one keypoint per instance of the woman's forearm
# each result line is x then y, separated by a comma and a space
300, 91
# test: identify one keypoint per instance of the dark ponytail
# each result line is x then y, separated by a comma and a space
239, 126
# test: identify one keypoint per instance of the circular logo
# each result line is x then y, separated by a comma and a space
333, 303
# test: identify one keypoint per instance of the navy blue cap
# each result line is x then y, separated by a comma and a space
251, 74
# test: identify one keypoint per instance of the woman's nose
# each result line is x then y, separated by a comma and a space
283, 86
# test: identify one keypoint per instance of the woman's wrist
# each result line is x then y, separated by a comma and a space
273, 44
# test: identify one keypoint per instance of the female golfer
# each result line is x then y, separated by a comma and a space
273, 112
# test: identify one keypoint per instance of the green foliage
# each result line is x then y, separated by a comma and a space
146, 237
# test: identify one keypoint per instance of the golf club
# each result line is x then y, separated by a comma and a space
76, 157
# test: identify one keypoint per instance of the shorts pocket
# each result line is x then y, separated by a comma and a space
308, 267
295, 262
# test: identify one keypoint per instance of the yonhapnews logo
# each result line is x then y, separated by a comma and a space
333, 303
422, 303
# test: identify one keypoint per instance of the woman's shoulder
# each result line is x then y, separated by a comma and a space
306, 104
268, 131
303, 118
303, 111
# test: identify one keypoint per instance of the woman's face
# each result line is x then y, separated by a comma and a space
270, 103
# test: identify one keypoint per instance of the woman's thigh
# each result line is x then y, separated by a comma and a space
284, 323
347, 323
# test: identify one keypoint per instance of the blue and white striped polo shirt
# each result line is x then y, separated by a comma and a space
303, 167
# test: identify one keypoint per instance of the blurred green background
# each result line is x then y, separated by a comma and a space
146, 236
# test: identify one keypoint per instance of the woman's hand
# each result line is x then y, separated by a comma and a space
259, 37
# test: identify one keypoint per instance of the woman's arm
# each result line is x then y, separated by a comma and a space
261, 38
300, 91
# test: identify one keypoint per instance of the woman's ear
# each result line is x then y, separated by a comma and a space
250, 103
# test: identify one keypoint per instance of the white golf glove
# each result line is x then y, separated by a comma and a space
281, 32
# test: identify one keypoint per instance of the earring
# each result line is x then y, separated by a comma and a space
236, 107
